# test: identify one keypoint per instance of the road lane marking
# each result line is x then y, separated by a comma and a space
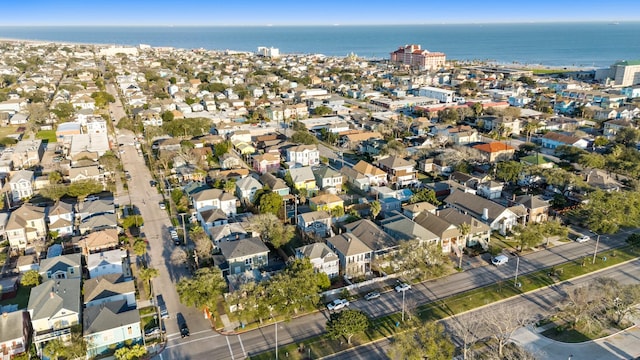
229, 345
194, 333
242, 346
190, 341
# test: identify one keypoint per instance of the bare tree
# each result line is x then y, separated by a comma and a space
502, 321
465, 330
178, 257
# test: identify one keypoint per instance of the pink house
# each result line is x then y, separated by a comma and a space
266, 163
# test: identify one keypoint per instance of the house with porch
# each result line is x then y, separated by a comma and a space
321, 257
21, 185
353, 254
97, 241
328, 179
376, 176
401, 227
54, 307
266, 163
244, 255
213, 199
303, 155
303, 178
498, 217
227, 232
108, 288
552, 140
478, 233
246, 188
111, 325
26, 224
537, 209
326, 202
109, 262
495, 151
315, 223
444, 230
15, 334
276, 184
61, 218
400, 171
61, 267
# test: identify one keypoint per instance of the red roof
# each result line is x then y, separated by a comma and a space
493, 147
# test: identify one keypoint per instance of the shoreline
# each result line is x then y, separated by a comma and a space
515, 65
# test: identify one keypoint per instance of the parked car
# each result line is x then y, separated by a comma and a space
164, 313
337, 304
583, 238
372, 295
162, 205
184, 330
500, 260
402, 287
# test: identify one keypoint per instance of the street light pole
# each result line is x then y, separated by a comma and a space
595, 252
184, 229
276, 324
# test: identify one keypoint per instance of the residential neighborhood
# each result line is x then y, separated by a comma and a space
146, 188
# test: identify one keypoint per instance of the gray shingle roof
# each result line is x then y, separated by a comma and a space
372, 235
475, 205
11, 325
106, 286
109, 315
51, 296
60, 263
243, 247
317, 251
348, 244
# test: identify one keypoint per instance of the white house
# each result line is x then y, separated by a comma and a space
214, 199
21, 185
321, 257
246, 188
108, 262
304, 155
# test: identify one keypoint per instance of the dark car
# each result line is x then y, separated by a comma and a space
153, 183
184, 330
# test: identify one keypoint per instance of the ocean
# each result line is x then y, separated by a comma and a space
551, 44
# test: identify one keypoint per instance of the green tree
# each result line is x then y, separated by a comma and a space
271, 229
429, 340
102, 98
427, 195
375, 208
146, 274
347, 323
553, 228
269, 202
134, 352
448, 116
55, 349
322, 110
140, 247
132, 221
509, 171
204, 289
592, 160
203, 244
222, 148
54, 191
55, 177
167, 116
63, 111
628, 136
528, 236
82, 189
304, 137
605, 212
30, 278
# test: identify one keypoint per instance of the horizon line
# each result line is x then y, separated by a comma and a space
527, 22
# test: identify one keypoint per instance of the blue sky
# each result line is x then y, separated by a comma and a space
305, 12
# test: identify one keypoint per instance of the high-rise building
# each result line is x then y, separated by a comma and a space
622, 73
415, 57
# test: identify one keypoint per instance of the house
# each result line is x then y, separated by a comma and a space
375, 175
413, 210
21, 184
537, 208
246, 188
98, 222
97, 241
326, 202
107, 288
478, 233
214, 199
15, 333
26, 263
490, 189
447, 232
266, 163
61, 267
229, 161
244, 254
303, 178
602, 180
275, 184
352, 140
27, 153
355, 179
84, 173
354, 255
109, 262
315, 223
26, 224
495, 151
54, 307
212, 218
400, 171
304, 155
372, 236
493, 214
227, 232
328, 179
86, 209
110, 326
60, 218
402, 228
462, 134
552, 140
321, 257
612, 127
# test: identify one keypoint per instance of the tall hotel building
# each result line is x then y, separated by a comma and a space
413, 56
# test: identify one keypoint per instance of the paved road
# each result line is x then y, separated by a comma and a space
541, 302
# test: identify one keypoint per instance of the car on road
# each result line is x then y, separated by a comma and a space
337, 304
184, 330
583, 238
153, 183
372, 295
402, 287
500, 260
162, 205
127, 175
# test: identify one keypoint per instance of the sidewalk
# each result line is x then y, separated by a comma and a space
622, 345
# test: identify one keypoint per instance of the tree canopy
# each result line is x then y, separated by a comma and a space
347, 323
203, 290
271, 229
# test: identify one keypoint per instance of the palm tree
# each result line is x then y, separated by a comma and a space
375, 207
464, 229
146, 274
55, 349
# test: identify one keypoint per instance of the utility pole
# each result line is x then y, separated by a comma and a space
515, 281
276, 324
184, 229
403, 292
595, 252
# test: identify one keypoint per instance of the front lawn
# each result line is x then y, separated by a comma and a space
22, 297
48, 135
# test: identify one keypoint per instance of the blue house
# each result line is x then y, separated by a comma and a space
111, 325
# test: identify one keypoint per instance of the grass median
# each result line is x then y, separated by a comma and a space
387, 326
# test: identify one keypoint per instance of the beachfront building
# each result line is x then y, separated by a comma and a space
415, 57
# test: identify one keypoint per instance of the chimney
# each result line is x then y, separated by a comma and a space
485, 214
51, 295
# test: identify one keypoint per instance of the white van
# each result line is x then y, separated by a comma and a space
499, 260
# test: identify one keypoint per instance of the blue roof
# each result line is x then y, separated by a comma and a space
54, 250
69, 126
